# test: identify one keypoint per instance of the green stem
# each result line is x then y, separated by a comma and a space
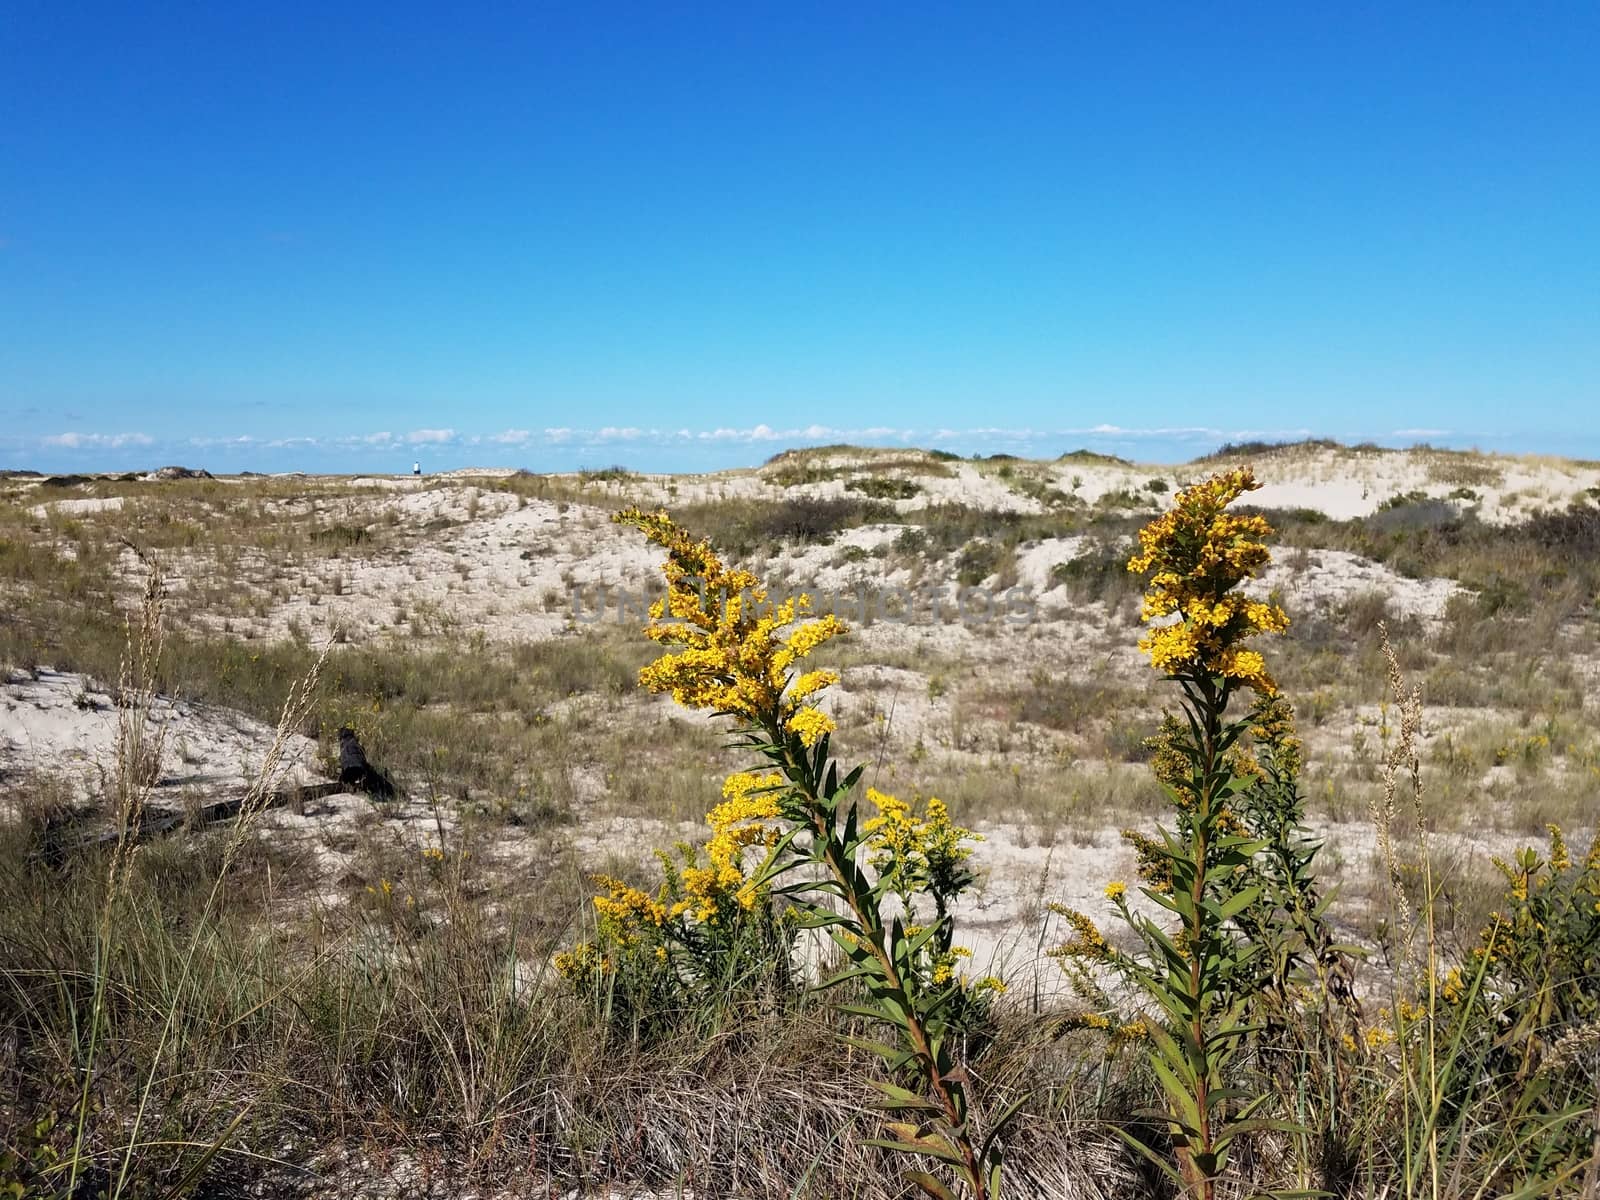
863, 907
1201, 1177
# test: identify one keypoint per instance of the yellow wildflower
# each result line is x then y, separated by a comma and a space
1560, 860
626, 907
582, 963
810, 724
928, 849
1451, 986
1196, 555
1086, 941
1116, 889
1132, 1031
734, 651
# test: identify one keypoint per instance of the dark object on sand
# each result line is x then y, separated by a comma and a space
356, 771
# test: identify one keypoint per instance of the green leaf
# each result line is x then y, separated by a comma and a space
1159, 1160
1236, 904
844, 976
1183, 1110
903, 1097
932, 1146
869, 1011
884, 1051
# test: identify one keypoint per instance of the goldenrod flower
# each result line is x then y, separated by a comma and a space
810, 724
1116, 889
927, 849
1197, 554
1272, 725
1560, 860
1086, 941
1451, 986
1410, 1012
627, 907
1129, 1032
737, 650
582, 963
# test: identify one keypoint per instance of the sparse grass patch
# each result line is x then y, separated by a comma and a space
749, 526
884, 487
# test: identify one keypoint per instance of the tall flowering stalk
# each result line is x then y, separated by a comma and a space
736, 655
1200, 975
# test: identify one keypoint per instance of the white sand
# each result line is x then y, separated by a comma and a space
63, 727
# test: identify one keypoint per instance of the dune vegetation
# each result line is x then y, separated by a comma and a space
681, 914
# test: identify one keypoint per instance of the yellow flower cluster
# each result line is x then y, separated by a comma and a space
944, 965
1272, 725
626, 908
1196, 555
747, 796
1452, 987
928, 847
1086, 941
894, 831
632, 919
1120, 1033
1154, 866
1560, 859
737, 650
582, 963
1126, 1034
749, 799
944, 843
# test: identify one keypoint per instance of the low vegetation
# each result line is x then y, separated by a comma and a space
783, 1004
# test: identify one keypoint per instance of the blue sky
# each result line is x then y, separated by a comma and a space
685, 236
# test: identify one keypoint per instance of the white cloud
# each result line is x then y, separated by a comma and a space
98, 441
1177, 431
763, 435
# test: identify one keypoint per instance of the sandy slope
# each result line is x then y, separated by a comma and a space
63, 727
